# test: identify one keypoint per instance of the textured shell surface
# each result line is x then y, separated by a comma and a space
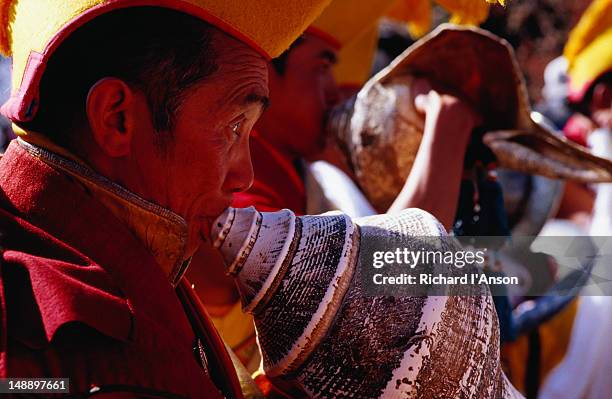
320, 334
386, 134
251, 236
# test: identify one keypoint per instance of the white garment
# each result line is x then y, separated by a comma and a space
586, 370
600, 142
340, 192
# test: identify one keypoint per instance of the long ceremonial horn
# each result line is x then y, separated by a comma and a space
380, 131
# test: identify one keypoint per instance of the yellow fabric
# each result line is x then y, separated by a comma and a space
162, 232
238, 331
355, 59
417, 13
346, 20
42, 141
249, 388
555, 335
270, 26
589, 47
466, 12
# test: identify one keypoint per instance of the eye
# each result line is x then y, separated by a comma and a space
236, 127
325, 66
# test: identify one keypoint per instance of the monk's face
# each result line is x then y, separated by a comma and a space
300, 97
207, 157
601, 105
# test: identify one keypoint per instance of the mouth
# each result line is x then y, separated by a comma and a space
205, 229
207, 223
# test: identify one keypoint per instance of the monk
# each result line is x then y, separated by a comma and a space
134, 126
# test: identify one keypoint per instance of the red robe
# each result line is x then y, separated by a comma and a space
80, 297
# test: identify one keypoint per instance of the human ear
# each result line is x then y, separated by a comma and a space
111, 113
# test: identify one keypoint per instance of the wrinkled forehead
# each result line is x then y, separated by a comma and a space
238, 63
240, 79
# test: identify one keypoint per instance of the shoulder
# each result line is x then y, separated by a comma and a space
51, 293
66, 316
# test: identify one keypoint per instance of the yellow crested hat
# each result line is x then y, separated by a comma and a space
31, 30
417, 13
589, 48
355, 59
345, 20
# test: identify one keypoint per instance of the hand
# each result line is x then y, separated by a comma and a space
448, 124
444, 113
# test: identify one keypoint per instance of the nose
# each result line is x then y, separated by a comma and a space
240, 171
331, 92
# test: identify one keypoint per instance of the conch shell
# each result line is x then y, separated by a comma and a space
321, 336
380, 131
